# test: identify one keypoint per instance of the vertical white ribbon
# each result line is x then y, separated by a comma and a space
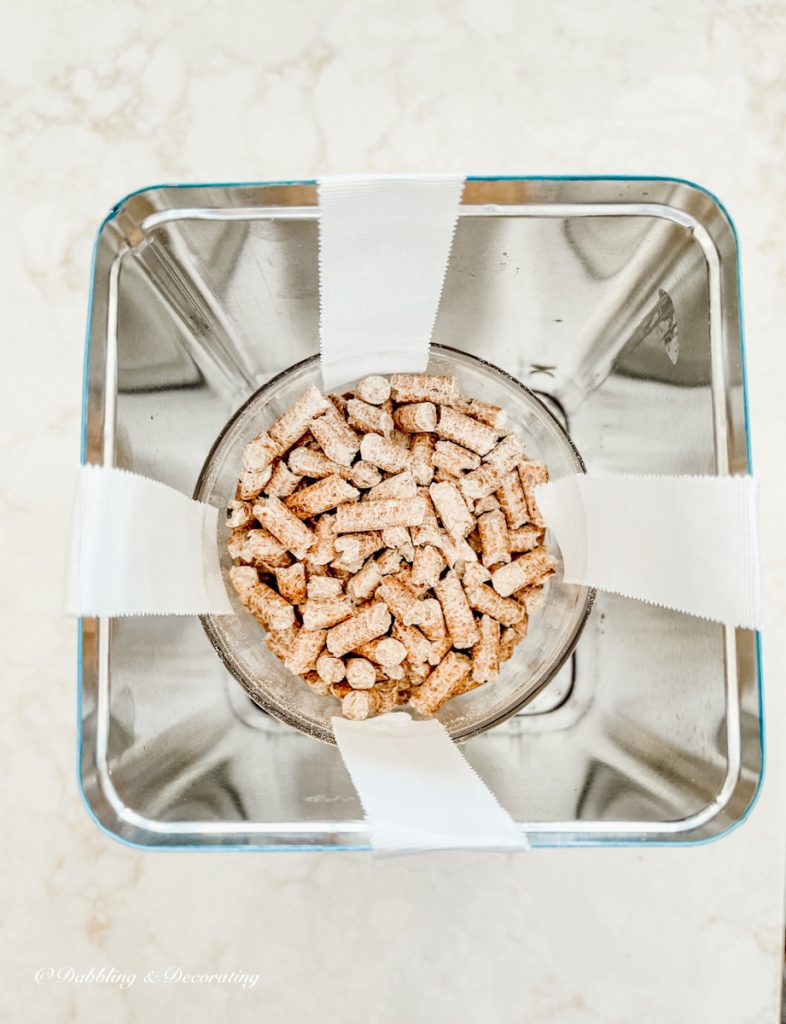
418, 790
384, 246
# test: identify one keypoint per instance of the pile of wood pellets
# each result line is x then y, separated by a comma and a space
389, 543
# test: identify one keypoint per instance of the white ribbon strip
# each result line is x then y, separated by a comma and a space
688, 543
417, 789
141, 548
384, 245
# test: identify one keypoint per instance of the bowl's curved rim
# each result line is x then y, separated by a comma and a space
321, 732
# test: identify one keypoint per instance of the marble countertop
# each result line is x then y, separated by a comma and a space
100, 99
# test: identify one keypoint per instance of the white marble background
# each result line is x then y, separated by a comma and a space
97, 99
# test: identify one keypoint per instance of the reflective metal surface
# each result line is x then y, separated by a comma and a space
616, 301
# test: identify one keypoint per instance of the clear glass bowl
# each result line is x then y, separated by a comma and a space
553, 630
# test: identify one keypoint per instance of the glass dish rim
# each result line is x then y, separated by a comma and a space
474, 729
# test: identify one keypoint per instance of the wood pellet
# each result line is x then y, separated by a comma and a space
389, 542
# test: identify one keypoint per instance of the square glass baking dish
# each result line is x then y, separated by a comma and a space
617, 301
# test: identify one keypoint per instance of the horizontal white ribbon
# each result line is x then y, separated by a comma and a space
139, 547
684, 542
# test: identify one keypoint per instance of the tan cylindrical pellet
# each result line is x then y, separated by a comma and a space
278, 641
398, 437
428, 532
486, 600
340, 690
458, 615
335, 438
282, 483
369, 623
532, 597
359, 705
532, 474
493, 530
415, 419
384, 651
481, 482
507, 644
427, 565
401, 601
399, 537
452, 510
258, 547
260, 452
305, 649
286, 527
485, 653
318, 685
369, 419
323, 551
467, 683
487, 504
523, 571
417, 675
474, 574
365, 581
322, 613
457, 552
345, 574
506, 455
375, 390
330, 669
366, 516
353, 546
455, 426
338, 402
402, 485
293, 424
252, 481
405, 575
260, 599
394, 672
512, 500
364, 475
415, 643
435, 690
389, 561
453, 459
441, 477
439, 648
320, 497
291, 582
321, 587
420, 387
315, 464
383, 453
238, 514
422, 451
526, 538
433, 626
492, 415
361, 674
510, 638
